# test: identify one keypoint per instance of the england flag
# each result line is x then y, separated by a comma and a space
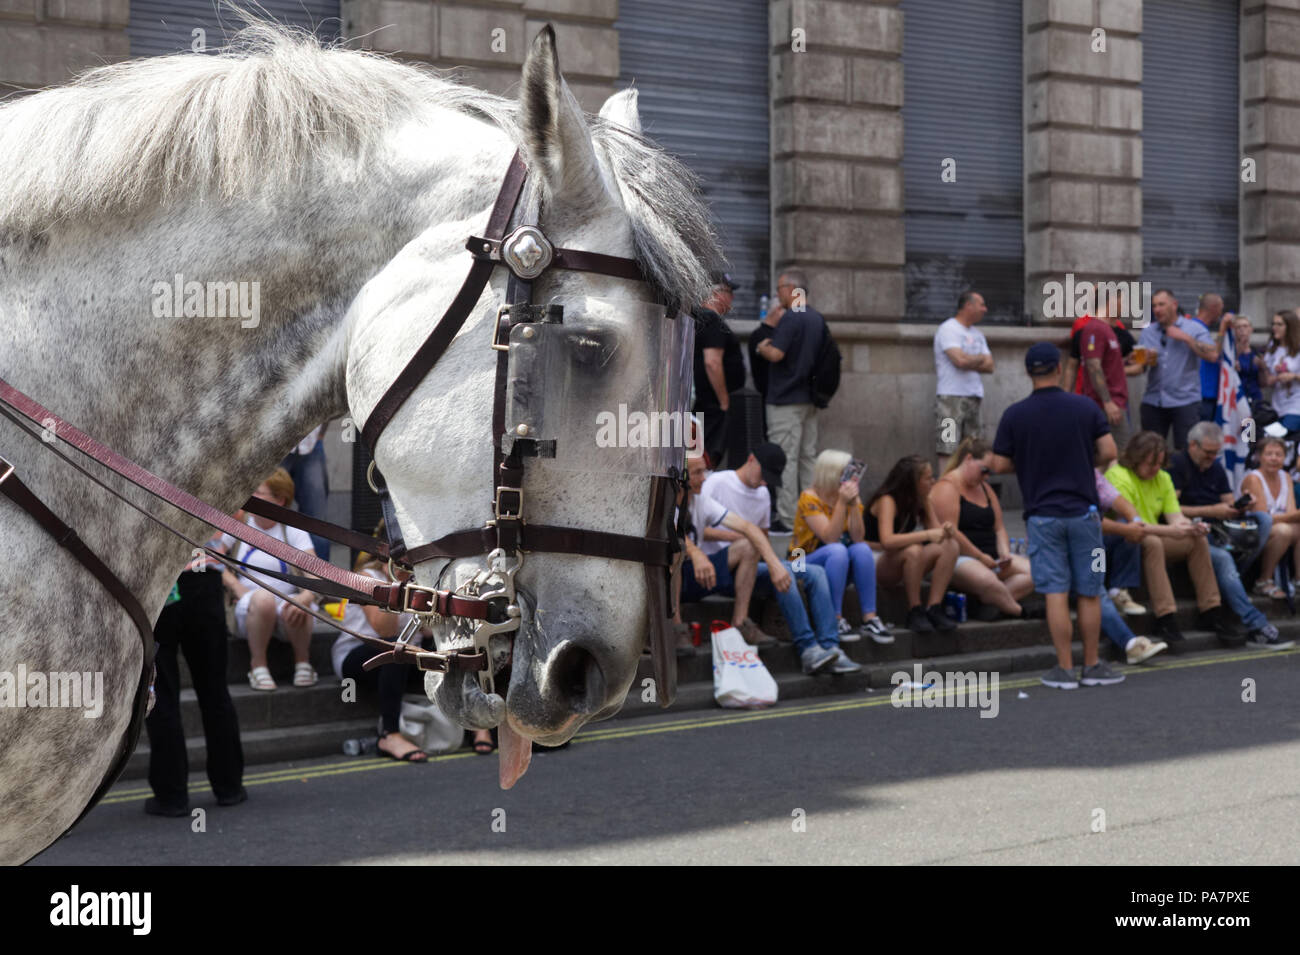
1231, 414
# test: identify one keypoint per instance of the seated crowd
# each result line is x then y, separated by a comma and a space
927, 536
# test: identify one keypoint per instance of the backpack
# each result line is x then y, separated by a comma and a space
825, 378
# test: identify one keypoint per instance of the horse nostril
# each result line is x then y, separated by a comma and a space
578, 678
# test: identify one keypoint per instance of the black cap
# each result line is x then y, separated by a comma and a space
1041, 358
772, 459
724, 278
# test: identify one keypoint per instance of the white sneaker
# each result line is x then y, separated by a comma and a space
1127, 605
1141, 648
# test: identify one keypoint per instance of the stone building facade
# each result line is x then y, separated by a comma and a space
838, 83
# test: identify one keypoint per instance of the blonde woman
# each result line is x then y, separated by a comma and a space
986, 568
259, 613
828, 515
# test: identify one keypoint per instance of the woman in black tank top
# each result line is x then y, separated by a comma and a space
986, 569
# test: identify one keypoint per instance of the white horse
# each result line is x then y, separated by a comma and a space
344, 185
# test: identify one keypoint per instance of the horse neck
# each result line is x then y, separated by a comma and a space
204, 402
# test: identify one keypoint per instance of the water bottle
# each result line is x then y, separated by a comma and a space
358, 747
763, 302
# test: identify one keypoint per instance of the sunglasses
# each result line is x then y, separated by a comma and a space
985, 472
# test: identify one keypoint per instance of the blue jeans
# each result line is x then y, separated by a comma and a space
1062, 553
1112, 623
1225, 572
837, 560
1123, 562
814, 581
1265, 522
310, 489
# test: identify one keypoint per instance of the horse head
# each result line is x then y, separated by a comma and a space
599, 187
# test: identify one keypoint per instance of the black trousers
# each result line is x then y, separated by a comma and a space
715, 432
196, 625
391, 680
1180, 418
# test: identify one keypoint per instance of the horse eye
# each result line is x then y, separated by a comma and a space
592, 349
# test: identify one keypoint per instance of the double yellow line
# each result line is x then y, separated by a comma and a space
704, 721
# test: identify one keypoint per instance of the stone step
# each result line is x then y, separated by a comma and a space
272, 745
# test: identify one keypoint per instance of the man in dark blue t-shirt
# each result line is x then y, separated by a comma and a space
791, 415
1051, 440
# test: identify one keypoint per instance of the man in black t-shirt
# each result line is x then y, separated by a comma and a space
1051, 440
719, 366
1204, 492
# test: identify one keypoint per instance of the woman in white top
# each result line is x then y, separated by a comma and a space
1280, 368
260, 613
1271, 487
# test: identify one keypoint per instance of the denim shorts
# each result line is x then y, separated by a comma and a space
1066, 553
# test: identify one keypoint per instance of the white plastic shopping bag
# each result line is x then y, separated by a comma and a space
739, 678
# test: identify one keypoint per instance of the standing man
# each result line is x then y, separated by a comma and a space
1096, 344
1173, 395
961, 355
1050, 440
1209, 312
719, 366
791, 354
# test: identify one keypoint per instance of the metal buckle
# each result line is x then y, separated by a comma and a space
497, 505
411, 588
9, 469
496, 330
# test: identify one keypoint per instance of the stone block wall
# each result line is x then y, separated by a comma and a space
837, 148
486, 41
1270, 135
47, 42
1083, 144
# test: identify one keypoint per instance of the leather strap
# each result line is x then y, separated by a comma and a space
333, 532
362, 589
454, 318
543, 538
67, 538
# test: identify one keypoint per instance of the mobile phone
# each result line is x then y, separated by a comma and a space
1241, 503
853, 471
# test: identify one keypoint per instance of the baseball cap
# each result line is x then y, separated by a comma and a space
1041, 358
724, 278
772, 459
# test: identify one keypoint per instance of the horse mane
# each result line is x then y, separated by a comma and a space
262, 111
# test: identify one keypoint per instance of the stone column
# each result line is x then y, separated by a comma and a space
486, 41
1083, 146
1270, 208
837, 148
47, 42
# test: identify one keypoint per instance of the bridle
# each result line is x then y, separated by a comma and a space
488, 602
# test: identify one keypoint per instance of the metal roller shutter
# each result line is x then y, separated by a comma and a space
701, 69
962, 94
165, 26
1191, 168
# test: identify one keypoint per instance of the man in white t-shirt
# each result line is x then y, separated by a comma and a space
745, 491
961, 355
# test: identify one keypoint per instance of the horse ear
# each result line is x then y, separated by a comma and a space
556, 136
621, 108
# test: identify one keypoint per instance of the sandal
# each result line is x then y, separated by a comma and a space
416, 755
304, 674
259, 678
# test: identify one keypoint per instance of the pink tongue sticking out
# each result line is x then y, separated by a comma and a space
515, 754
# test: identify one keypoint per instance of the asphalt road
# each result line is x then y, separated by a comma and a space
1184, 771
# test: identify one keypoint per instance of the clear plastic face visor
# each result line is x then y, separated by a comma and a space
606, 389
